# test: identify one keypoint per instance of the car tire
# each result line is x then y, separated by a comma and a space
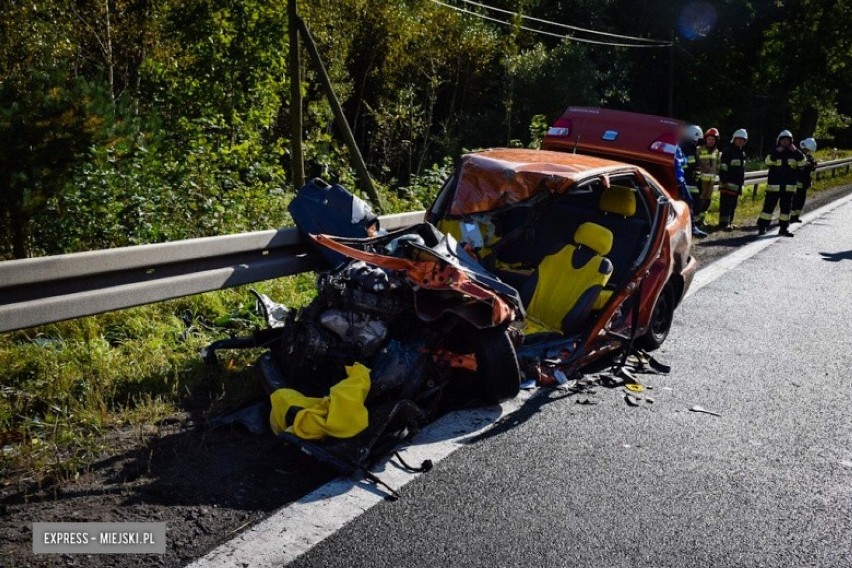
498, 375
661, 321
497, 365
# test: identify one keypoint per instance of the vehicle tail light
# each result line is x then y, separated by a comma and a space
558, 131
665, 144
560, 128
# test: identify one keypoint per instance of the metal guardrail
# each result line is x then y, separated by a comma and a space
754, 179
37, 291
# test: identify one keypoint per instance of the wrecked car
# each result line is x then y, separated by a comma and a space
405, 324
597, 248
532, 265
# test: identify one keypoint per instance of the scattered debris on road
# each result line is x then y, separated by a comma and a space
703, 410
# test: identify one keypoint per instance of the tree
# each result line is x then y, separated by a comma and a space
48, 122
807, 57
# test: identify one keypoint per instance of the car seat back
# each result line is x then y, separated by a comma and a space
618, 205
562, 290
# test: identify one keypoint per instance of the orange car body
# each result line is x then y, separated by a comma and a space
585, 152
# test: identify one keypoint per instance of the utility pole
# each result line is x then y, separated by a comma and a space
340, 118
295, 65
671, 74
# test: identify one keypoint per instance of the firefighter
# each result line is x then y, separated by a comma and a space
686, 171
707, 157
784, 162
731, 178
808, 146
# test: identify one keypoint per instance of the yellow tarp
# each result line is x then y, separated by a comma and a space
341, 414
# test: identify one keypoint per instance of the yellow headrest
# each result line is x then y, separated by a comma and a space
619, 200
597, 238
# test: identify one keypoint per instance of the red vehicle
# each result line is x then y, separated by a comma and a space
587, 229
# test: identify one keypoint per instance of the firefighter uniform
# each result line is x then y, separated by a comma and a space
731, 179
782, 179
708, 170
686, 169
690, 169
804, 184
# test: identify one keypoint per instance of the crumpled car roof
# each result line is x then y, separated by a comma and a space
496, 178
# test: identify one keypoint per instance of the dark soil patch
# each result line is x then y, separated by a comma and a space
206, 485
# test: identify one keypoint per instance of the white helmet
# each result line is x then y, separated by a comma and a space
808, 144
784, 134
740, 133
693, 132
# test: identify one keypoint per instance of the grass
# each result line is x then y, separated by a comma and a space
66, 386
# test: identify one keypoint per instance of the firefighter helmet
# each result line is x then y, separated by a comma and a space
740, 133
712, 132
693, 133
808, 144
784, 134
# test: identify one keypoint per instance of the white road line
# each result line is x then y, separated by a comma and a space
296, 528
711, 272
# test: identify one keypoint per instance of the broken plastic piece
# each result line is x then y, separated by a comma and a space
703, 410
631, 400
623, 373
273, 312
634, 387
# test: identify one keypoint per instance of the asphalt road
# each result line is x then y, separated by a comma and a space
768, 483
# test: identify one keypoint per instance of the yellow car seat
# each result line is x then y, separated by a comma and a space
563, 289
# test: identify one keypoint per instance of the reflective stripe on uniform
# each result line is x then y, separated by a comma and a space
736, 162
765, 216
796, 213
724, 167
773, 188
784, 217
770, 162
732, 186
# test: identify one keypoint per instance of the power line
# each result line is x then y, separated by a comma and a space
660, 43
560, 36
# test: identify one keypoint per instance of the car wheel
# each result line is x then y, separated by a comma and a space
661, 321
497, 376
497, 365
